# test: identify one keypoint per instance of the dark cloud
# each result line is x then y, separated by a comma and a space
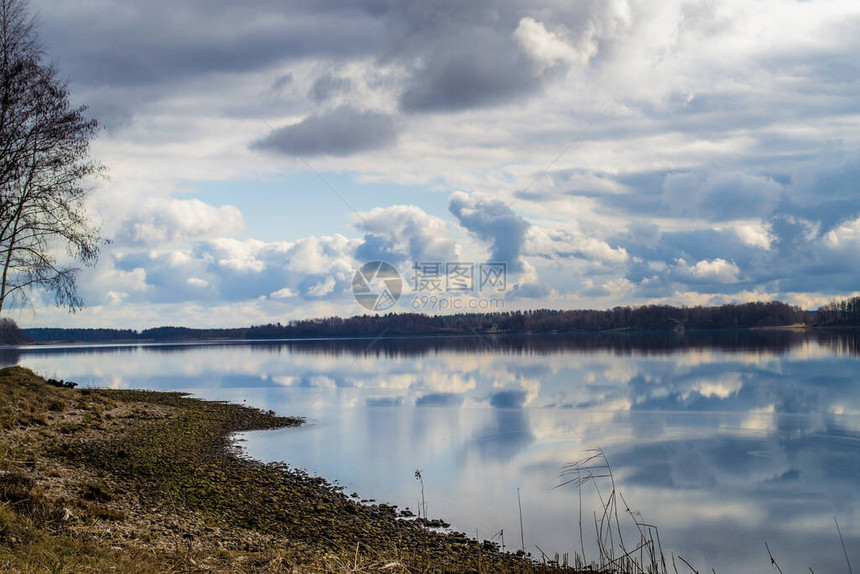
341, 132
826, 190
508, 434
456, 56
531, 290
166, 42
508, 399
384, 401
750, 140
494, 221
327, 86
466, 55
379, 248
481, 68
804, 236
440, 400
712, 195
282, 82
720, 196
649, 243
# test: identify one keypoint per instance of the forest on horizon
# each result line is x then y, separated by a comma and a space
647, 317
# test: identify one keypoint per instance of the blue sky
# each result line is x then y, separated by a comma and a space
620, 152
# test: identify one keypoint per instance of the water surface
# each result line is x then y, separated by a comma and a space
723, 440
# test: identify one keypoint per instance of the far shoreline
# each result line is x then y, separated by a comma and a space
430, 335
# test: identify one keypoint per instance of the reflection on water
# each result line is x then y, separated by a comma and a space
724, 440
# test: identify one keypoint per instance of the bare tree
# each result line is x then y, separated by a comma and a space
45, 167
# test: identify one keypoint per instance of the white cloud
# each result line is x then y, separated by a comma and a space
559, 243
755, 235
847, 234
545, 48
322, 289
730, 126
284, 293
714, 271
407, 232
157, 221
321, 255
236, 255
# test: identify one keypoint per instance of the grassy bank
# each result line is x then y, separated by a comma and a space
138, 481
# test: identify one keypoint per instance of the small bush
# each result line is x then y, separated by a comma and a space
104, 513
15, 487
97, 491
57, 406
10, 333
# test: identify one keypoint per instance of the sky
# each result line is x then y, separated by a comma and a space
607, 152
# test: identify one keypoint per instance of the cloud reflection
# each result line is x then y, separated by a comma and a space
727, 436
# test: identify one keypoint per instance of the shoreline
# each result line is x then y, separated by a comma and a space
148, 481
191, 341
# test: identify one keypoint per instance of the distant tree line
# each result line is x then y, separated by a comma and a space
85, 335
839, 312
649, 317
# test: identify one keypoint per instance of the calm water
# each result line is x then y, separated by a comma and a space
722, 440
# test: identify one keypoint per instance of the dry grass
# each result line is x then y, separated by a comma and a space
135, 481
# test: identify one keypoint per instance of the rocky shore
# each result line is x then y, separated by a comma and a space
137, 481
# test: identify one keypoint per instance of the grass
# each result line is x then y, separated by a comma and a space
641, 551
626, 544
138, 481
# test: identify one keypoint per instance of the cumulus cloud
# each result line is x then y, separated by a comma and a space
755, 235
531, 290
723, 162
847, 234
235, 255
564, 244
322, 289
494, 221
720, 196
327, 86
340, 132
318, 255
786, 257
715, 271
158, 221
229, 269
109, 283
467, 67
546, 49
404, 232
284, 293
197, 282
